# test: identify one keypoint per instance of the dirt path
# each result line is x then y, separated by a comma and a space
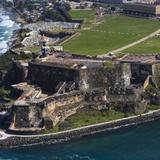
71, 37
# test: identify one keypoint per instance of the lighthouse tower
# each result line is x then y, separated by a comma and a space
45, 49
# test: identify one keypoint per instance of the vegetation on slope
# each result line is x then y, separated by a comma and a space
6, 59
87, 116
152, 107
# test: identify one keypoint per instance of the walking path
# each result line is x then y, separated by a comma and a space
3, 135
133, 44
111, 32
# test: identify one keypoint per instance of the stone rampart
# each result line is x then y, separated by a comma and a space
48, 76
56, 108
15, 141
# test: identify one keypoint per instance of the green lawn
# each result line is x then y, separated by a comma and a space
92, 117
88, 117
153, 107
34, 49
151, 46
115, 32
87, 15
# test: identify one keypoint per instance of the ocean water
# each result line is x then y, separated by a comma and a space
7, 27
134, 143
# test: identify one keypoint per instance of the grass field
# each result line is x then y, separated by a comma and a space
87, 15
151, 46
153, 107
115, 32
88, 117
92, 117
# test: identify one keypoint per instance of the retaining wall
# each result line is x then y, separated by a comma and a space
15, 140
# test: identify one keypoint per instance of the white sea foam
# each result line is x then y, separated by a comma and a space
5, 32
1, 38
3, 46
6, 23
7, 26
72, 157
3, 50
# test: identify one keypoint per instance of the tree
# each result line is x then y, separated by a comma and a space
65, 14
53, 15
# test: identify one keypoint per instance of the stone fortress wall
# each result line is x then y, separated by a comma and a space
47, 76
54, 138
47, 112
56, 90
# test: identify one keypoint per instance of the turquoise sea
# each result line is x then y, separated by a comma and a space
7, 28
133, 143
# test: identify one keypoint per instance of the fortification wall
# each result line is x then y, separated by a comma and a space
129, 103
27, 116
56, 108
15, 141
48, 76
114, 78
156, 74
59, 108
140, 72
117, 78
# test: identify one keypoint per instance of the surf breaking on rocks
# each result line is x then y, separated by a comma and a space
7, 27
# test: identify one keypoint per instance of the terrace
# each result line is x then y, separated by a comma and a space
139, 59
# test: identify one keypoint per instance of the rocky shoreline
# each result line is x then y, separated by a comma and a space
12, 141
15, 33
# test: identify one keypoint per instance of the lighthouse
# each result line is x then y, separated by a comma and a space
45, 49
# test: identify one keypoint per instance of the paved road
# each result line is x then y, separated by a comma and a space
134, 43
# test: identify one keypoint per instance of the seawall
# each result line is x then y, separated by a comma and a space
10, 141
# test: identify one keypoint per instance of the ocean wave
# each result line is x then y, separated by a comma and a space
4, 50
67, 157
5, 32
7, 26
4, 17
3, 46
71, 157
6, 23
1, 38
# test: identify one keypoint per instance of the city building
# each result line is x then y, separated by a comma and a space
148, 8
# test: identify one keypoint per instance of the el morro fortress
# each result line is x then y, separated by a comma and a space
53, 87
